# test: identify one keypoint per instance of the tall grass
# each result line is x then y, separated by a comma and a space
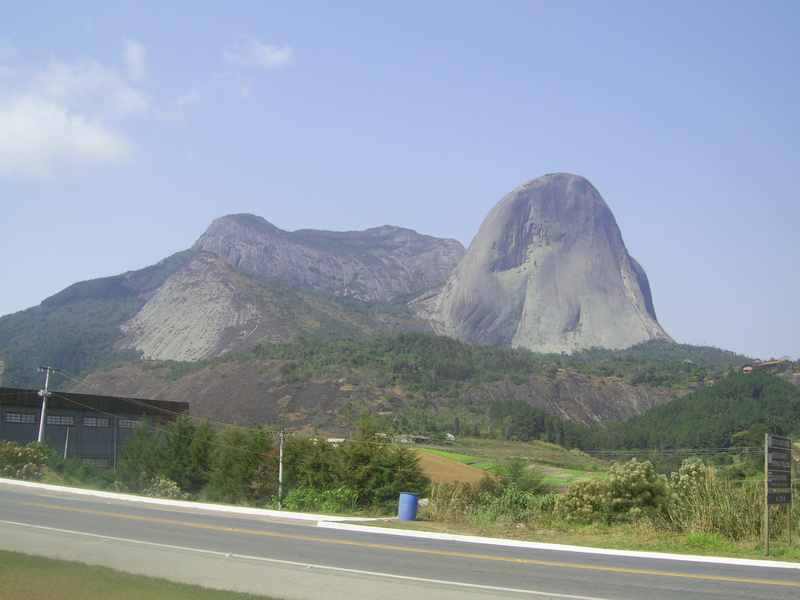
697, 501
485, 503
711, 504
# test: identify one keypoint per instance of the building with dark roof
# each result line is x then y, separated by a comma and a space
91, 428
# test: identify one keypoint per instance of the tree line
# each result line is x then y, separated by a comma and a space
241, 466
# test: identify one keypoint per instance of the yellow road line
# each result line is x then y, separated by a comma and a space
417, 550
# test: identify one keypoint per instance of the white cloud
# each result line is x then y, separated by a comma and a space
42, 139
251, 53
57, 115
88, 86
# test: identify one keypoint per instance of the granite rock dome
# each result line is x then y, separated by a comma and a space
548, 271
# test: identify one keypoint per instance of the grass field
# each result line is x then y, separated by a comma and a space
25, 577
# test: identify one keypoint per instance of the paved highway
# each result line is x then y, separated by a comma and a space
266, 553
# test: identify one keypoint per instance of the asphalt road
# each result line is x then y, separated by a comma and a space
300, 558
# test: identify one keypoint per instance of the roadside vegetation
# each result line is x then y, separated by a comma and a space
531, 491
690, 472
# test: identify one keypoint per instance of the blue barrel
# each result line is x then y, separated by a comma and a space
409, 503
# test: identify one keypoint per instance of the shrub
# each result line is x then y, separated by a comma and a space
451, 502
632, 491
18, 462
637, 490
161, 487
306, 499
585, 501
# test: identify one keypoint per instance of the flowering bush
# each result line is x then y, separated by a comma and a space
690, 479
163, 487
632, 490
18, 462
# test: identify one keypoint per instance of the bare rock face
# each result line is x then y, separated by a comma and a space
376, 265
548, 271
199, 312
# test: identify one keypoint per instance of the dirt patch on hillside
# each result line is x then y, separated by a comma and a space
446, 470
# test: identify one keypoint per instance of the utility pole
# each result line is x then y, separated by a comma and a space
45, 394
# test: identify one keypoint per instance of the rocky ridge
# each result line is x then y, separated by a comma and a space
376, 265
213, 305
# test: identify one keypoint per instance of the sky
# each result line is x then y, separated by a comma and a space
127, 127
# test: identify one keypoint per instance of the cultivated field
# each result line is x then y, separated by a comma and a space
441, 469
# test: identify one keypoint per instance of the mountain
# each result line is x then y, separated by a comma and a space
229, 323
548, 271
243, 283
376, 265
214, 304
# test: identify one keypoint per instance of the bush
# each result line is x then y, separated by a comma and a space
161, 487
694, 500
585, 501
18, 462
633, 490
306, 499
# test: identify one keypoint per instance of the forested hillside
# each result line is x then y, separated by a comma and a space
736, 411
724, 420
434, 364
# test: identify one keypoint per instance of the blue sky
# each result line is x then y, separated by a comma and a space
127, 127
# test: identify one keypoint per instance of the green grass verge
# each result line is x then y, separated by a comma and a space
24, 577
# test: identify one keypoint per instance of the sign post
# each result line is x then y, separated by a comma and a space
778, 473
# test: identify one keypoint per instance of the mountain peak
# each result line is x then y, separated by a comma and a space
548, 271
378, 264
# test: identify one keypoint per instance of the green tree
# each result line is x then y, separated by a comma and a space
243, 468
310, 464
517, 472
178, 451
138, 460
376, 471
184, 452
